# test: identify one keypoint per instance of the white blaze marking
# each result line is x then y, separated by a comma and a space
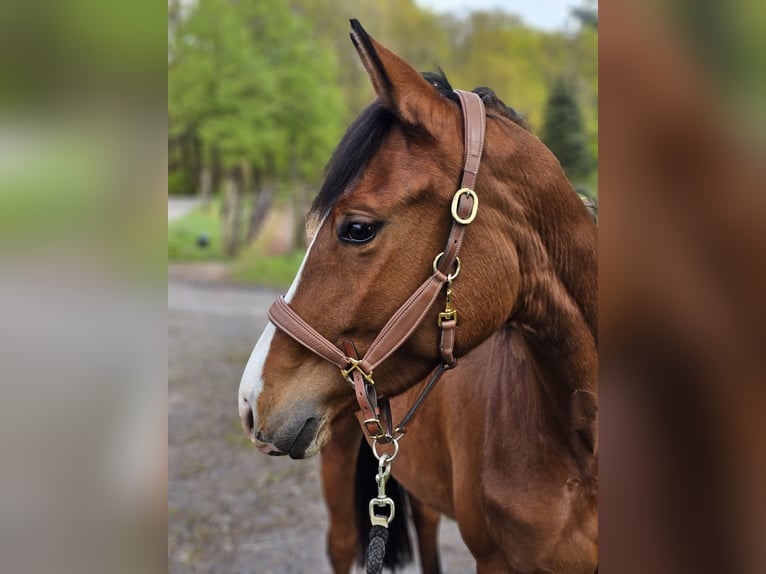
251, 385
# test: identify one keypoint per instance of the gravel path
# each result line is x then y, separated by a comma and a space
179, 206
231, 509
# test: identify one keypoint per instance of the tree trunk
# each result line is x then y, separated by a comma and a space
259, 209
300, 209
217, 172
205, 187
231, 213
300, 199
264, 190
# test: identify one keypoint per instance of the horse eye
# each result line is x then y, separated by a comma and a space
358, 231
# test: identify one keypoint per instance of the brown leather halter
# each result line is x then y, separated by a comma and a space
411, 314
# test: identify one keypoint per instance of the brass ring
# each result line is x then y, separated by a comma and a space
452, 276
474, 207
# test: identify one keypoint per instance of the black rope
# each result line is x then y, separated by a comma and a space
376, 550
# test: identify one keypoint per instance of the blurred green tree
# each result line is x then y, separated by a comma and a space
259, 91
587, 14
250, 89
563, 131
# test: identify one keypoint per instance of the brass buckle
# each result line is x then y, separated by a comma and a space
378, 428
447, 315
474, 208
356, 366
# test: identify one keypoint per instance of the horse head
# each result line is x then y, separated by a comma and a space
383, 215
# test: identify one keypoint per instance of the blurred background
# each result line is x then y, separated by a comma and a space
259, 93
102, 127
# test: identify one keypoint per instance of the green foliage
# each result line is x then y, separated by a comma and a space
246, 79
273, 83
219, 85
587, 14
584, 74
179, 182
483, 48
270, 85
563, 131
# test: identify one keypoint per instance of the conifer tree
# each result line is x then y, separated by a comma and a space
563, 131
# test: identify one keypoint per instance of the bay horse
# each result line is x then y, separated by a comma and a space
507, 443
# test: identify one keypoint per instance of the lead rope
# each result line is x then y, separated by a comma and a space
376, 547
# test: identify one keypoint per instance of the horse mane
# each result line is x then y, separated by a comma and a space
367, 132
491, 102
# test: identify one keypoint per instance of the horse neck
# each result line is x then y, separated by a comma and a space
556, 303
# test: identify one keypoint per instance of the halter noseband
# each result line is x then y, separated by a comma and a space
411, 314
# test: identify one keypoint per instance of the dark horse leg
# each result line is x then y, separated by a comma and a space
338, 469
426, 521
339, 459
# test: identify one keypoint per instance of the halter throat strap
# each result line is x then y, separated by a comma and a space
412, 313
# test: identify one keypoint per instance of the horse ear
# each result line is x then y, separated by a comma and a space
398, 85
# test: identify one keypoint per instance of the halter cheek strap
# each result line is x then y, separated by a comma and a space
413, 312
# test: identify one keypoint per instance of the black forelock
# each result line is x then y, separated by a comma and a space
366, 134
361, 140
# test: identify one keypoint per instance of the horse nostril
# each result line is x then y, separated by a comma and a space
246, 417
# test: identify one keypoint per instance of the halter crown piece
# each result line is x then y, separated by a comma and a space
404, 322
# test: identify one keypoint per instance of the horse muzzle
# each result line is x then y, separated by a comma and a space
303, 444
296, 438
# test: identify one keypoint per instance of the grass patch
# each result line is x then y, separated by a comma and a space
253, 266
184, 232
255, 263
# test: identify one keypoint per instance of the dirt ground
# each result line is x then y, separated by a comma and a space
231, 509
